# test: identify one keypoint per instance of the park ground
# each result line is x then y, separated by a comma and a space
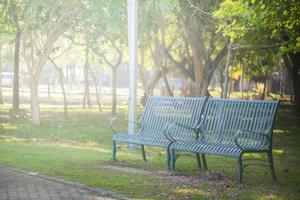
79, 149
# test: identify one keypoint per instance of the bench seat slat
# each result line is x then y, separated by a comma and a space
142, 140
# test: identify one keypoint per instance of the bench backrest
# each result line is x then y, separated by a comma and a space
159, 111
224, 117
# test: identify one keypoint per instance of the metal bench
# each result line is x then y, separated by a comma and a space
231, 128
158, 113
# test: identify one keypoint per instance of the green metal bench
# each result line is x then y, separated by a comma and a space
231, 128
158, 113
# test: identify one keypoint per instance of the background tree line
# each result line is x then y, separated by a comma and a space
190, 37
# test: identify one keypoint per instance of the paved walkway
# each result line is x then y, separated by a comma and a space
21, 185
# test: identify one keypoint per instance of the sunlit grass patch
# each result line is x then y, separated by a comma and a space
55, 143
12, 139
278, 151
9, 126
190, 191
280, 131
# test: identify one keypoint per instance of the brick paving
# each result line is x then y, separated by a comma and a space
21, 185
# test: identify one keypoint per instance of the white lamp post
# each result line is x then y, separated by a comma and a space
132, 45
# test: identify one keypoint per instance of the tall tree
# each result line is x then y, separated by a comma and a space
44, 23
53, 59
86, 68
114, 62
100, 28
206, 45
157, 36
106, 23
16, 22
11, 23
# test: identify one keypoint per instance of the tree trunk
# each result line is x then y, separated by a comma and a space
114, 67
142, 77
114, 90
61, 81
204, 86
86, 98
151, 85
194, 40
100, 83
98, 98
34, 73
35, 109
269, 84
141, 69
1, 95
295, 59
221, 82
160, 61
16, 97
226, 72
198, 68
204, 67
289, 68
68, 75
242, 83
263, 95
62, 86
72, 78
231, 87
168, 89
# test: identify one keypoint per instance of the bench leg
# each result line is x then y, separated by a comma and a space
272, 169
114, 150
240, 170
173, 160
143, 153
199, 161
168, 158
204, 161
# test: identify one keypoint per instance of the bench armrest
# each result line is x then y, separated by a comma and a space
257, 141
113, 129
168, 130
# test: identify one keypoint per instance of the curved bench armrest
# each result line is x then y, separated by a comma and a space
255, 142
168, 130
112, 127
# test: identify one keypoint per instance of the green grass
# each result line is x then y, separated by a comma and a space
74, 149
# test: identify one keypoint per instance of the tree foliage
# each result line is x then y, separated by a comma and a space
265, 25
261, 22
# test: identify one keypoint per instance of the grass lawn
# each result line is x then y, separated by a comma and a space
79, 149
